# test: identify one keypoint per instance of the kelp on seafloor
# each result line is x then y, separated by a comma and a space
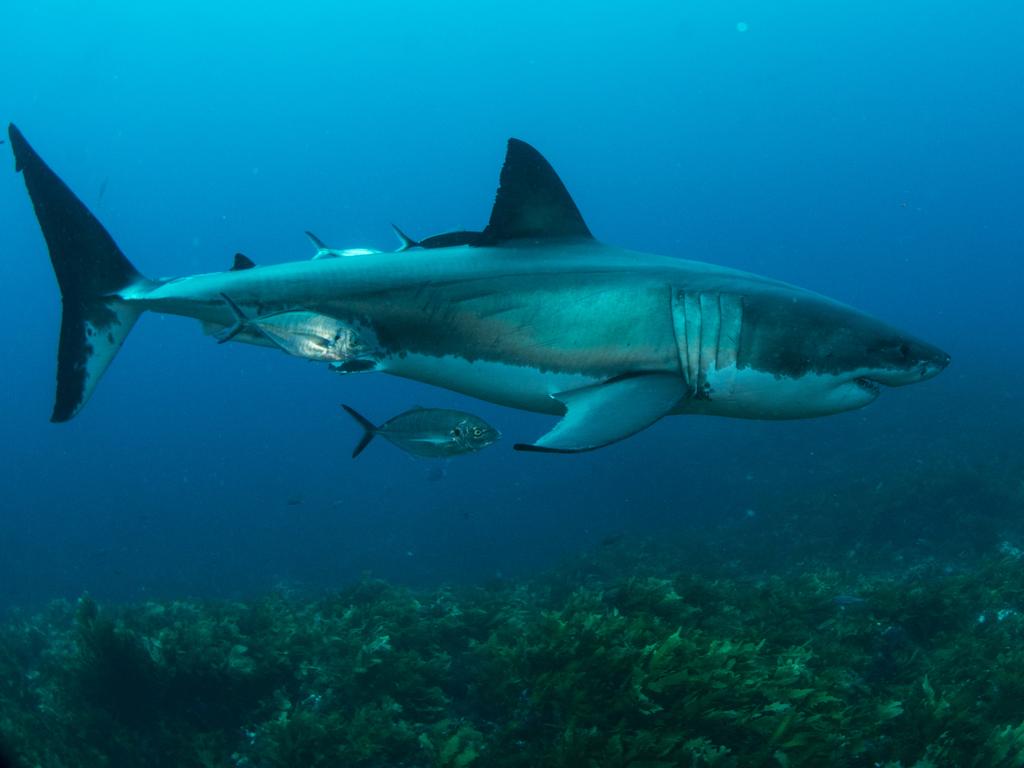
629, 656
646, 671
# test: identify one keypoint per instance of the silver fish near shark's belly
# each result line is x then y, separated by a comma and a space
532, 313
429, 433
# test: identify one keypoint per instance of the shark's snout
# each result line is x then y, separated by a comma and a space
911, 362
934, 367
933, 361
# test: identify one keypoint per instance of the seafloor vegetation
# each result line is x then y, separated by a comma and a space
778, 640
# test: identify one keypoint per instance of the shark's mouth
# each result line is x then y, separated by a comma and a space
869, 385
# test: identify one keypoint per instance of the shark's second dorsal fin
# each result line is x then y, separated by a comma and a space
242, 262
532, 202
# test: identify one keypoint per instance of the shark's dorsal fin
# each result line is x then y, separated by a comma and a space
532, 202
242, 262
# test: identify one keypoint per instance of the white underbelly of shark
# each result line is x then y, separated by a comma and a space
515, 386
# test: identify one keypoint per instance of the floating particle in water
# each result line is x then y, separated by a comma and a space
742, 26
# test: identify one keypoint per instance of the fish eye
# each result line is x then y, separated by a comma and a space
905, 349
477, 431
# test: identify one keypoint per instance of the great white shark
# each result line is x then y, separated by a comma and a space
532, 312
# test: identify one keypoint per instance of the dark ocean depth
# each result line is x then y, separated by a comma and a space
201, 531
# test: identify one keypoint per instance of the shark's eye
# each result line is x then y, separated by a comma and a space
905, 349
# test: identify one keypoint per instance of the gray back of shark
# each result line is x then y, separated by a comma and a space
532, 313
430, 433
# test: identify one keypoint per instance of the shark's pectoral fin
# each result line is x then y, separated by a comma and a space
606, 413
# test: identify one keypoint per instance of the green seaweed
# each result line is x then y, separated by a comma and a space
635, 655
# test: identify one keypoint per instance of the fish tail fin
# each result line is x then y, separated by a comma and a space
322, 251
94, 278
240, 324
369, 430
405, 241
317, 242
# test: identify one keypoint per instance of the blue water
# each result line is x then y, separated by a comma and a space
870, 151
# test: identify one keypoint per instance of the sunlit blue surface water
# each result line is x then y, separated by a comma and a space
868, 151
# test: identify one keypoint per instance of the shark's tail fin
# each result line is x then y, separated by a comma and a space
92, 274
369, 430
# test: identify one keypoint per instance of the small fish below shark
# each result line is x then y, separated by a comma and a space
430, 433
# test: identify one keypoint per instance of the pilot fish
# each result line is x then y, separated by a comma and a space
431, 433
